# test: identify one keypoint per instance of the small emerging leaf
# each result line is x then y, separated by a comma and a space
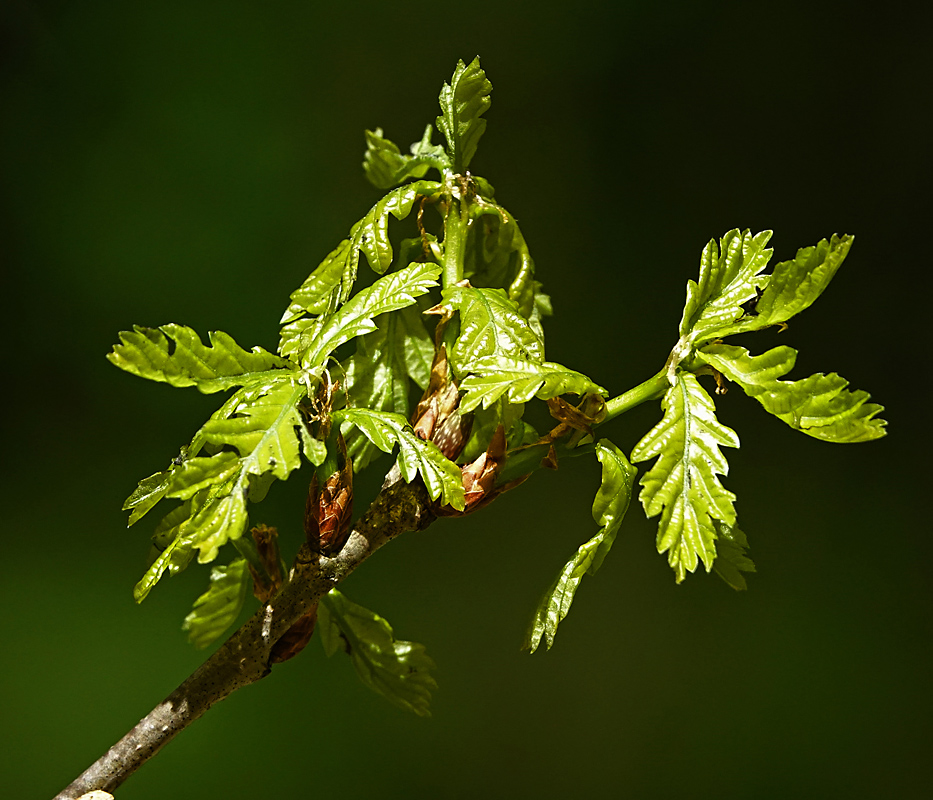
385, 166
463, 102
400, 671
217, 609
609, 508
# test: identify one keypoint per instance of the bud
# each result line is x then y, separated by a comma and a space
329, 509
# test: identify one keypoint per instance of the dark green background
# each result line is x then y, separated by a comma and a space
192, 162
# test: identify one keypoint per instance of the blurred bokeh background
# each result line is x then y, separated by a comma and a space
192, 162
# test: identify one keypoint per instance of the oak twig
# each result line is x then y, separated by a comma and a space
245, 657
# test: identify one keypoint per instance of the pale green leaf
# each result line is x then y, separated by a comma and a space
795, 285
731, 560
609, 507
492, 377
355, 317
820, 406
463, 102
729, 276
146, 352
441, 477
683, 485
386, 166
196, 474
146, 495
332, 282
319, 293
171, 555
398, 670
217, 609
491, 326
377, 375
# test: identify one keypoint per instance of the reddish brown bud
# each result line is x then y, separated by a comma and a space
479, 477
329, 509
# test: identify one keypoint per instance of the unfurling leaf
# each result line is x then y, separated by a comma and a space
217, 609
222, 365
400, 671
385, 166
440, 475
820, 406
731, 560
609, 507
521, 380
682, 485
463, 102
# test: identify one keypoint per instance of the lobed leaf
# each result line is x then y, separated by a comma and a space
355, 317
491, 327
609, 507
463, 102
682, 485
819, 406
398, 670
146, 352
519, 380
441, 477
217, 609
386, 166
795, 285
377, 375
332, 282
729, 277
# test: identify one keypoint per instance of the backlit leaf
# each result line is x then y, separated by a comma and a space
729, 277
386, 166
492, 377
463, 102
217, 609
683, 486
491, 327
398, 670
441, 476
355, 317
731, 560
223, 364
820, 406
609, 508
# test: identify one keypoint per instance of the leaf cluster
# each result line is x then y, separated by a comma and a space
456, 313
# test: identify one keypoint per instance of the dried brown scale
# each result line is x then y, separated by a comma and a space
329, 508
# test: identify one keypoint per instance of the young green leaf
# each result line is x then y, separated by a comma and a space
819, 406
492, 377
441, 477
400, 671
385, 166
146, 495
491, 327
682, 485
377, 375
355, 317
463, 102
332, 282
731, 560
609, 507
795, 285
175, 557
145, 352
729, 277
217, 609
